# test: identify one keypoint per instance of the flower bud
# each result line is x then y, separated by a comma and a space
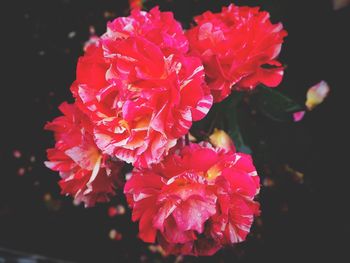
316, 94
221, 139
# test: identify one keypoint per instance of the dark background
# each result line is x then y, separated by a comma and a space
302, 219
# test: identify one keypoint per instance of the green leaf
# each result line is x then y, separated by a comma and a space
230, 107
235, 132
223, 115
275, 105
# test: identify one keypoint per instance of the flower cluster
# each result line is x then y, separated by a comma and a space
138, 89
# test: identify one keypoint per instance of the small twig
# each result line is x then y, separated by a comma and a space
187, 139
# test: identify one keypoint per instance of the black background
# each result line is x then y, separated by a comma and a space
308, 221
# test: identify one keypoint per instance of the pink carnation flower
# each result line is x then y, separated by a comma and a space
195, 201
238, 47
87, 175
139, 89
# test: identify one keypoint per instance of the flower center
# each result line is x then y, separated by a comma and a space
213, 172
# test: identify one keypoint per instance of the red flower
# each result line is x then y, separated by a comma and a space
86, 174
195, 201
238, 48
157, 27
139, 89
